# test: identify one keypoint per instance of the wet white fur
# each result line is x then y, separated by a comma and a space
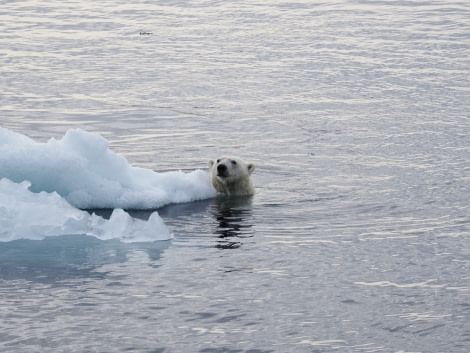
237, 180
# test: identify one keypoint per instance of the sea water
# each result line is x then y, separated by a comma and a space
356, 116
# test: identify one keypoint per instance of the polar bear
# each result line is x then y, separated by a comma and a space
232, 176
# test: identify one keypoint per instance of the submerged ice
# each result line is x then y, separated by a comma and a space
24, 214
44, 186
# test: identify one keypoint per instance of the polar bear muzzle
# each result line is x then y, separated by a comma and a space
222, 171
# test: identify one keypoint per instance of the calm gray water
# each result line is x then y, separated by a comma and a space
357, 116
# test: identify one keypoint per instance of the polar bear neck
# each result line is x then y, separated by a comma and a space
237, 187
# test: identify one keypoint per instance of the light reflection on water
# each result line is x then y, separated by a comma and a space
356, 114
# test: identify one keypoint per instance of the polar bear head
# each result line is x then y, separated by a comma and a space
232, 176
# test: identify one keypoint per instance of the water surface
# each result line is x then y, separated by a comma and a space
356, 114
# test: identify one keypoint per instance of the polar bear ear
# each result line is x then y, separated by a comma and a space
211, 164
251, 167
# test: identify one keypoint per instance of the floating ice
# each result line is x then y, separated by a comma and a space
43, 186
82, 169
24, 214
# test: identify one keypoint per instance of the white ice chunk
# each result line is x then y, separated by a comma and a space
81, 168
28, 215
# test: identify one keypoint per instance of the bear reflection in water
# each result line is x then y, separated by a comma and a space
232, 216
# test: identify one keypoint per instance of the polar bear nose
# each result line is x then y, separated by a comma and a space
221, 168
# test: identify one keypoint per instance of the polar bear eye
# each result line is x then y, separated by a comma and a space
234, 162
218, 161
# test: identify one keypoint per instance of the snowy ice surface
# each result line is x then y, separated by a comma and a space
82, 169
44, 185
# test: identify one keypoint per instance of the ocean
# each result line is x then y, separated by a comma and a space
356, 114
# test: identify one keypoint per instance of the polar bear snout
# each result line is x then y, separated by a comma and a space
222, 171
221, 168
